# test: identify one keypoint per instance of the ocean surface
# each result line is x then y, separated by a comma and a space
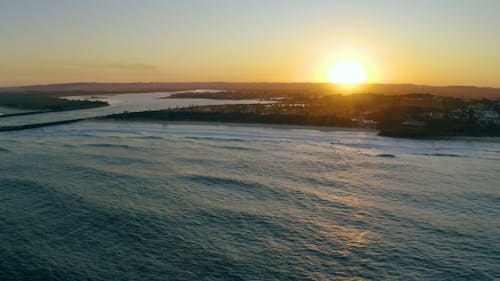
103, 200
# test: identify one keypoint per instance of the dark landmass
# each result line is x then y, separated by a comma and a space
254, 113
414, 115
258, 90
40, 125
407, 116
21, 114
43, 103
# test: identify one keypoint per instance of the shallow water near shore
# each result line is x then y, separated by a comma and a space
103, 200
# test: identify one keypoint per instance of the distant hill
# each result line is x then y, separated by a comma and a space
309, 88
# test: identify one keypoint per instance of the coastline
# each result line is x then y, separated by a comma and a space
247, 125
299, 127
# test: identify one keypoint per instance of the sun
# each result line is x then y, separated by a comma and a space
347, 72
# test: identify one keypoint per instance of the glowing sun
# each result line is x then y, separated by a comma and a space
347, 72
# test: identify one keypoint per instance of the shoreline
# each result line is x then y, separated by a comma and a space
297, 127
40, 125
248, 125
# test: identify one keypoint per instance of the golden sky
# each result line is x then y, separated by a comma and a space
446, 42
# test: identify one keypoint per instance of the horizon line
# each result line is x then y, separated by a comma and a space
228, 82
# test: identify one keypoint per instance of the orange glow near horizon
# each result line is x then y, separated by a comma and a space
249, 41
348, 68
347, 72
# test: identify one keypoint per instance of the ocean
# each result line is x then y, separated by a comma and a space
105, 200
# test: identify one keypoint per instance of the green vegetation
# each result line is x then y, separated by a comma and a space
255, 113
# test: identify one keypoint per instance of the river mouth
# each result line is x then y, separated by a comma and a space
118, 103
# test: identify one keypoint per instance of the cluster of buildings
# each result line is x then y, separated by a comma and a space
482, 117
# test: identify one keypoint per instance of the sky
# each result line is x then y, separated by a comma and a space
437, 42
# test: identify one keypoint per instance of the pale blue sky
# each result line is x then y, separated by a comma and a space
431, 42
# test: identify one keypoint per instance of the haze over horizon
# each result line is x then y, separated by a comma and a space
425, 42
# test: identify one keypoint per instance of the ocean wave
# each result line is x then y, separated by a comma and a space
221, 181
218, 139
385, 155
251, 188
491, 151
149, 137
110, 145
4, 149
443, 155
236, 148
